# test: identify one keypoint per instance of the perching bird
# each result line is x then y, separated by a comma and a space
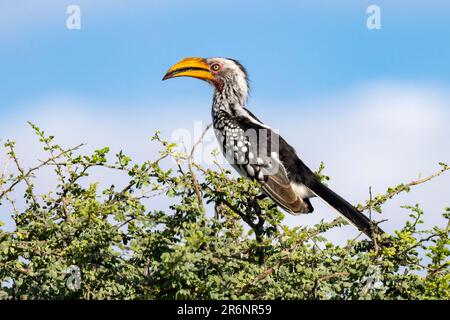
255, 150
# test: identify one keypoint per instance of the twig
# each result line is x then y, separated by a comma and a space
143, 194
24, 177
30, 171
86, 164
259, 277
404, 187
334, 223
372, 225
333, 275
191, 170
418, 243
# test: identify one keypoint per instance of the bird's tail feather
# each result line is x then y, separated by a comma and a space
349, 212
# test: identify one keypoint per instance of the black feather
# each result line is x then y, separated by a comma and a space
357, 218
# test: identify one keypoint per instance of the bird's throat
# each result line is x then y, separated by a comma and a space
229, 98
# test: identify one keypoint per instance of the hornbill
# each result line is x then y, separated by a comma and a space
255, 150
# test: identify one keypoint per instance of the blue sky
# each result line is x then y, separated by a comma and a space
334, 87
291, 50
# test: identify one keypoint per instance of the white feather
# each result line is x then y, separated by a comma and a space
302, 191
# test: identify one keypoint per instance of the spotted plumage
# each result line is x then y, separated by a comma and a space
254, 149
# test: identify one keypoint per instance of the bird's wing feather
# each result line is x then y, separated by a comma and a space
280, 189
275, 182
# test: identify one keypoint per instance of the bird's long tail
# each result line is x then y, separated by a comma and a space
349, 212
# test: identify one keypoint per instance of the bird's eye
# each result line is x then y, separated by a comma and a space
215, 67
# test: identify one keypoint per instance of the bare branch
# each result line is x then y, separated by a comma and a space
191, 170
402, 188
24, 175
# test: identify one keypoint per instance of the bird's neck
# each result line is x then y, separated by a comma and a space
229, 99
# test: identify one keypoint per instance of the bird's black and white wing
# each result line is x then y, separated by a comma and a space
283, 192
283, 176
254, 152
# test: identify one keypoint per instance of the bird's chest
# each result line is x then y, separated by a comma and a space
240, 147
231, 136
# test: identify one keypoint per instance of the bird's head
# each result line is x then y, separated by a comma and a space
224, 74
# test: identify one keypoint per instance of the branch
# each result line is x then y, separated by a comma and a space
380, 199
191, 170
333, 275
30, 171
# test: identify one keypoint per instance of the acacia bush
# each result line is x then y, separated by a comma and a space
221, 238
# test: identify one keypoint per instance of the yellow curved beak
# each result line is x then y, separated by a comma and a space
190, 67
